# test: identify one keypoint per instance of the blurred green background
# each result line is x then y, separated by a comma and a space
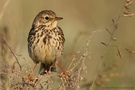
83, 16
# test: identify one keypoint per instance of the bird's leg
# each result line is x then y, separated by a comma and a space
30, 78
34, 68
63, 71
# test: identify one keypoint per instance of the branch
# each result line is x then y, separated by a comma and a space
17, 61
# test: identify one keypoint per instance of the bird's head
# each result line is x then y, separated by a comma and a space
47, 18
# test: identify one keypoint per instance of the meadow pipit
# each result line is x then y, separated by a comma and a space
46, 41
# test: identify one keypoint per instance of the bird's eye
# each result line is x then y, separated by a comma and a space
46, 18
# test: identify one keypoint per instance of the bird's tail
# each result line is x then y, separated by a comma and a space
44, 68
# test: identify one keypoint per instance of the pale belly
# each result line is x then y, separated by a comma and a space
44, 53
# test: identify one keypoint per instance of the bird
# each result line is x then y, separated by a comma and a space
45, 41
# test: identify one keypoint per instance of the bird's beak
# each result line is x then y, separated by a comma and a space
57, 18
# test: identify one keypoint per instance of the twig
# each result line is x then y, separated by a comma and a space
115, 24
12, 53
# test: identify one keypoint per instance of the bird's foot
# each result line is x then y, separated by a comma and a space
64, 75
30, 78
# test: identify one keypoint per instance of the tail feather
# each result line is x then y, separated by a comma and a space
45, 68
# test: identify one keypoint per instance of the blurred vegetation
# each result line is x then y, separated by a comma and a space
108, 25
